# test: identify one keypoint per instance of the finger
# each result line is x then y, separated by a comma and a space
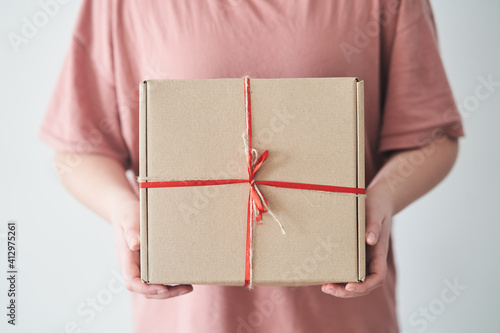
129, 264
335, 289
172, 291
355, 289
136, 285
376, 277
376, 270
131, 276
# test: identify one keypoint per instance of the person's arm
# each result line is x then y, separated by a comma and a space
390, 192
100, 183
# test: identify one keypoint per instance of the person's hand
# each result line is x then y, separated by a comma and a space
378, 228
126, 221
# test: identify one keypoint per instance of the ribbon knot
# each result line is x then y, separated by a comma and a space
258, 199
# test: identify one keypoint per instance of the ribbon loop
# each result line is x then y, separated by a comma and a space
259, 162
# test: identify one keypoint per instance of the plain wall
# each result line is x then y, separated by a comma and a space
66, 256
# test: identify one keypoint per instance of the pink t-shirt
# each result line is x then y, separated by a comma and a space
389, 44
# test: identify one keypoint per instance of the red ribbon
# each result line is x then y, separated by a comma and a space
254, 195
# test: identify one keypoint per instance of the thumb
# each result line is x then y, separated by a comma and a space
378, 213
126, 220
132, 237
373, 230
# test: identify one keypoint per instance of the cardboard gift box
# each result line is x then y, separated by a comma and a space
252, 181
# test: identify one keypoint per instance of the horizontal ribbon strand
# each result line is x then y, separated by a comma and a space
186, 183
290, 185
312, 187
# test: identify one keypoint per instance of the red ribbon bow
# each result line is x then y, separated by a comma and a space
257, 197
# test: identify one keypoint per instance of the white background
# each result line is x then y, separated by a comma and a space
66, 254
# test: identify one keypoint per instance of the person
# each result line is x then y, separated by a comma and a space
412, 127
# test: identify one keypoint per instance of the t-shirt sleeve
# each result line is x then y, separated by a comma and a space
418, 101
82, 114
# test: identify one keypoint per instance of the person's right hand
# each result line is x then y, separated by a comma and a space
126, 220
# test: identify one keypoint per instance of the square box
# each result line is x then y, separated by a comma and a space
196, 191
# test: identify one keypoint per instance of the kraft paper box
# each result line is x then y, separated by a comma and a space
200, 206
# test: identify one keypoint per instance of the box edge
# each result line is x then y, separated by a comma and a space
143, 173
361, 181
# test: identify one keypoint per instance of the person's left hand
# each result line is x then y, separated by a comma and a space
378, 228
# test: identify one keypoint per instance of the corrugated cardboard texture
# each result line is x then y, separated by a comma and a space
192, 129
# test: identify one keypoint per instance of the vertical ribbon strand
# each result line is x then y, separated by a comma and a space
257, 203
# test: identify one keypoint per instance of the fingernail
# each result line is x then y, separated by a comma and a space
162, 291
330, 290
183, 292
350, 287
133, 242
372, 238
